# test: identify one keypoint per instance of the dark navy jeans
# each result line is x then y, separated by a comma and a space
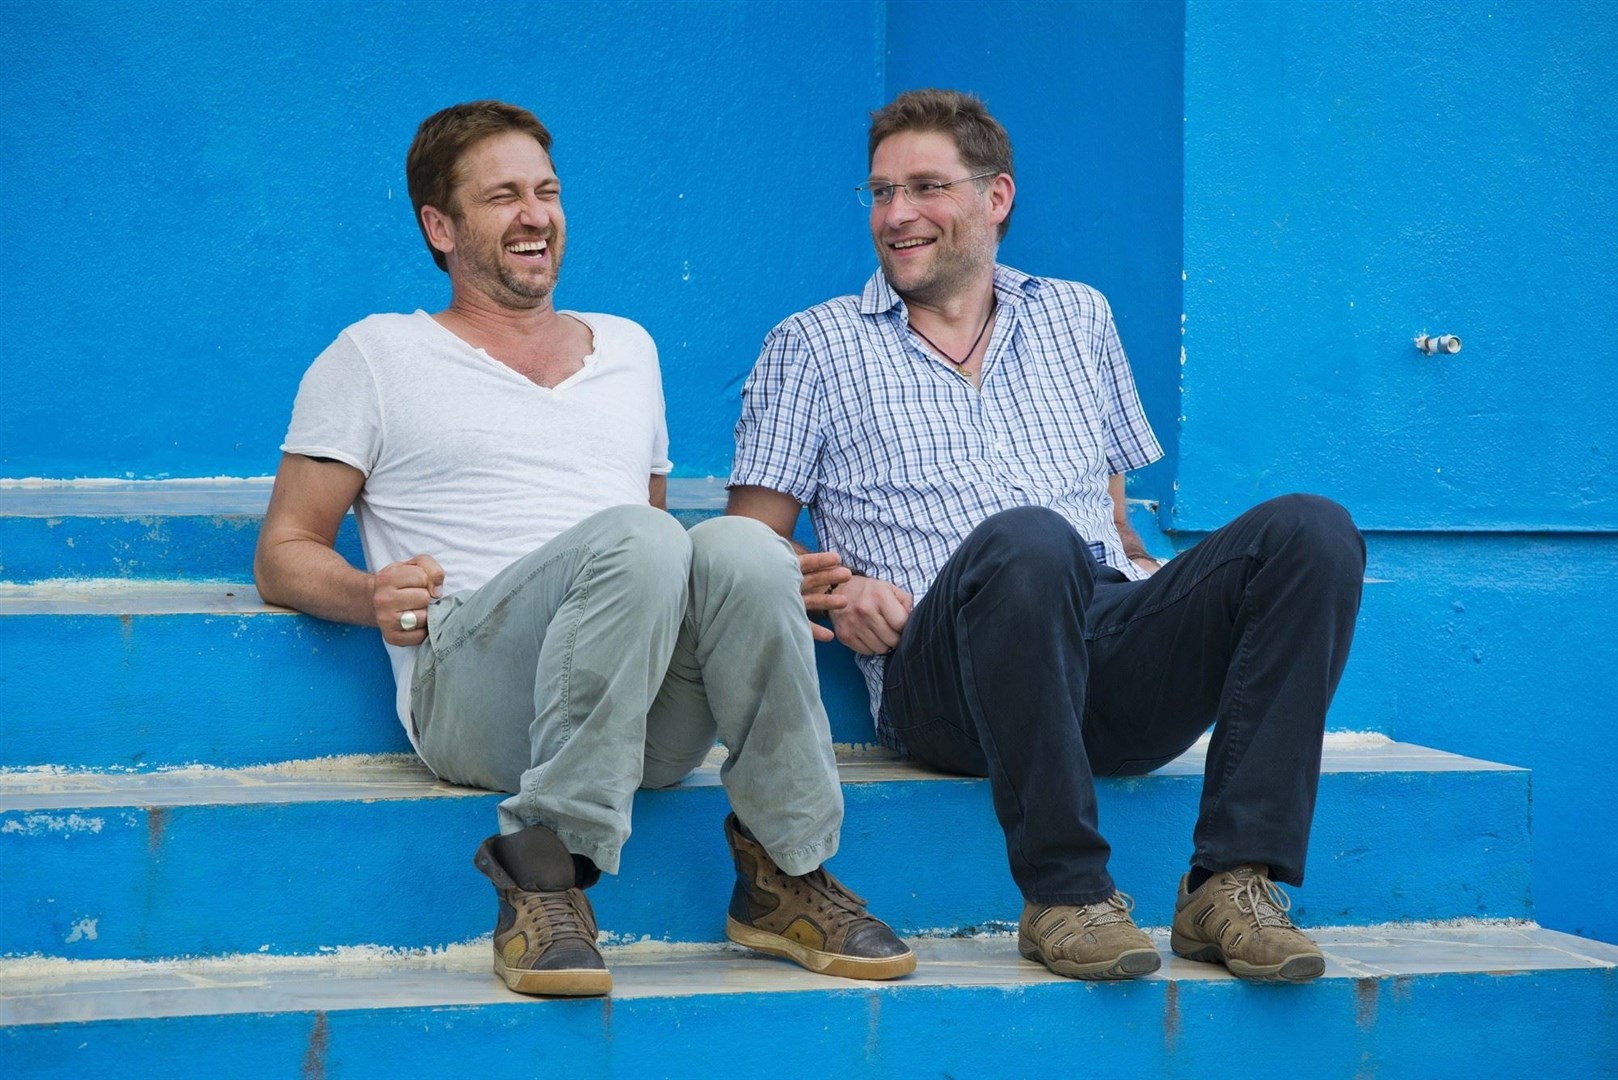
1031, 664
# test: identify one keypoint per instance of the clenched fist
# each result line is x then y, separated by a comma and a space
401, 592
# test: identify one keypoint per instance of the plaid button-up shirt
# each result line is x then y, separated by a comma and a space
898, 457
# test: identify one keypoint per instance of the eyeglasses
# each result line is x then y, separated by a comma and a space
881, 193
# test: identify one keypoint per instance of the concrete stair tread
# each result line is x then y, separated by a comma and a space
52, 992
402, 776
221, 497
200, 529
1401, 833
133, 596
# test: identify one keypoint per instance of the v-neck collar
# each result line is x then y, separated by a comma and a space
586, 364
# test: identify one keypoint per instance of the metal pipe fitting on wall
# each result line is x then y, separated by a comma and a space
1438, 343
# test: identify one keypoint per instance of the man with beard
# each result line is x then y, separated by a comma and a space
960, 432
554, 633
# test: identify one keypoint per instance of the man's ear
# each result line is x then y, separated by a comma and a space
439, 229
1002, 193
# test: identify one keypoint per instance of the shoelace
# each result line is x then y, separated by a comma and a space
555, 911
1114, 909
829, 892
1263, 899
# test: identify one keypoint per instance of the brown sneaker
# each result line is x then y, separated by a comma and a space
545, 938
809, 919
1239, 918
1089, 941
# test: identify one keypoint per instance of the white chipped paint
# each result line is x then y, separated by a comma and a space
43, 824
625, 946
58, 484
992, 930
473, 955
83, 930
339, 763
201, 970
1334, 740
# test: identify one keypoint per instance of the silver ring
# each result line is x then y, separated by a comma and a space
408, 621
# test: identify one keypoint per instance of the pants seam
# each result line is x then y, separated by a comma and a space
1238, 680
565, 691
463, 635
970, 686
565, 696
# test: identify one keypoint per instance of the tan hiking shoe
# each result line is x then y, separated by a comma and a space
1088, 941
810, 919
545, 936
1239, 918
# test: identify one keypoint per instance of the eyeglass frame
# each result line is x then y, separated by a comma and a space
933, 188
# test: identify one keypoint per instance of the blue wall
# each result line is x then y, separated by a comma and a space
1359, 173
1091, 95
200, 196
1356, 174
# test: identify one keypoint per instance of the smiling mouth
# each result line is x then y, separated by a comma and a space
906, 245
530, 248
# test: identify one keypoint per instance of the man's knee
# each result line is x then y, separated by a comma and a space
743, 552
1315, 530
648, 544
637, 523
1031, 548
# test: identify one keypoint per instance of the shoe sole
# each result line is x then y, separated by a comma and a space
825, 963
563, 982
1129, 965
1300, 967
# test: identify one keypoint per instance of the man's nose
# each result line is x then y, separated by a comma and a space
534, 211
900, 211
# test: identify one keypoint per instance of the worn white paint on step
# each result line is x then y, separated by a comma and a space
42, 991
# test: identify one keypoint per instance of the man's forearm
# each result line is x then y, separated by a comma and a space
308, 576
1134, 546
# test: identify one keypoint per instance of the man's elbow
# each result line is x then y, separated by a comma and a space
274, 570
776, 509
264, 578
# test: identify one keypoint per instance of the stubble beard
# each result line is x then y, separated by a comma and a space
955, 266
535, 292
505, 286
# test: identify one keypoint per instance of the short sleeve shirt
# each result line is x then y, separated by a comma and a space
468, 461
898, 457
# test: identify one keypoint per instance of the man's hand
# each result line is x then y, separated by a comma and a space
873, 616
822, 571
406, 588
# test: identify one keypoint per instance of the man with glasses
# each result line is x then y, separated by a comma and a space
554, 633
959, 432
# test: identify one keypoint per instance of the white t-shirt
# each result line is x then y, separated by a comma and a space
468, 461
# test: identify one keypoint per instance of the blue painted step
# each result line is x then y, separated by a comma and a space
1422, 1001
158, 673
191, 530
152, 674
186, 530
294, 859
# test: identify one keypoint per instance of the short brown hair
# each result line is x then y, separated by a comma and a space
433, 165
980, 140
